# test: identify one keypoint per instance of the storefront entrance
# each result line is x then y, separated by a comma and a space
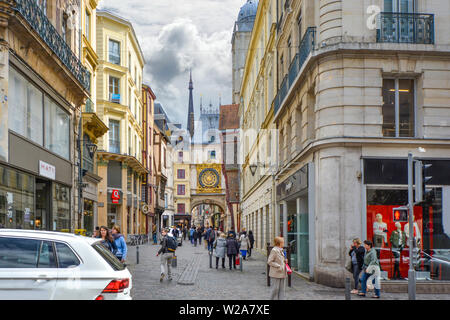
43, 204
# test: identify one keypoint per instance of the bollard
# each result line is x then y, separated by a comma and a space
241, 263
347, 289
210, 259
137, 254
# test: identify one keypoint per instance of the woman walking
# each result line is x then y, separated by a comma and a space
232, 249
252, 242
357, 254
220, 246
244, 244
277, 273
121, 245
107, 240
371, 264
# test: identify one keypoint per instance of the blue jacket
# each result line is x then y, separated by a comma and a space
121, 246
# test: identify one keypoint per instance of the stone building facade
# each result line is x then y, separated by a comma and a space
361, 84
44, 87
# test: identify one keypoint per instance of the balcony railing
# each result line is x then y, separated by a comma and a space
406, 28
305, 48
31, 12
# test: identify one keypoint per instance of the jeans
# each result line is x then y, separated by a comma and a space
232, 257
217, 262
278, 287
154, 239
166, 263
356, 272
210, 244
364, 279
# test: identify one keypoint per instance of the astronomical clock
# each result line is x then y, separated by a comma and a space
209, 180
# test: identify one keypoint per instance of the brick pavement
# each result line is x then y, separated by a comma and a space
225, 284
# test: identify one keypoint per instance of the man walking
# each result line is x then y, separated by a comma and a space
167, 250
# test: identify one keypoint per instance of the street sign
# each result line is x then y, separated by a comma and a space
400, 214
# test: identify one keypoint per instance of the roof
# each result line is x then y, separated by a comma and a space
248, 10
229, 117
149, 89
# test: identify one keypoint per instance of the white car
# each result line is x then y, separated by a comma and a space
43, 265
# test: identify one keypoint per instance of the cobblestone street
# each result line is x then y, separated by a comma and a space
223, 284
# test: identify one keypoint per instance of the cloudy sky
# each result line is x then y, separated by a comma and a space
176, 35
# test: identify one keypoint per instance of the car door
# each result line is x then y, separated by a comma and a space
27, 269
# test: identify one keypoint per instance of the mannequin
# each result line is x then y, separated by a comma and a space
379, 231
398, 241
417, 236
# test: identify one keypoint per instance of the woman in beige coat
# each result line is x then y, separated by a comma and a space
277, 273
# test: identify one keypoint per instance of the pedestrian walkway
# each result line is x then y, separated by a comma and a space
194, 280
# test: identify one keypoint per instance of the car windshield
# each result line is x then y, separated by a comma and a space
108, 256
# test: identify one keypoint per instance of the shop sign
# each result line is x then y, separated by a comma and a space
115, 196
47, 170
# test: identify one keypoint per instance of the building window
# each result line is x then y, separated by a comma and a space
181, 174
299, 27
57, 128
180, 156
281, 68
114, 89
289, 43
88, 26
25, 112
114, 52
181, 208
88, 160
61, 208
181, 189
398, 108
65, 19
212, 154
114, 136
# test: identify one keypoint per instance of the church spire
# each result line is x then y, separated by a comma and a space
190, 120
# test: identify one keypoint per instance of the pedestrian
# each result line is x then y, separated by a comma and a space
232, 232
166, 254
184, 232
277, 273
220, 244
252, 242
207, 235
195, 236
199, 236
96, 232
244, 244
370, 260
191, 235
121, 245
232, 249
357, 253
107, 239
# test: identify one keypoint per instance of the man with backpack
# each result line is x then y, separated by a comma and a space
167, 251
211, 238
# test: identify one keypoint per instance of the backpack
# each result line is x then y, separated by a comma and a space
171, 244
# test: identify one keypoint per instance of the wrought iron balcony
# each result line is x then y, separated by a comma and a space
305, 48
406, 28
31, 12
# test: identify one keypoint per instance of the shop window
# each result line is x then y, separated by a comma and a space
61, 208
398, 108
88, 217
25, 108
16, 200
57, 129
390, 233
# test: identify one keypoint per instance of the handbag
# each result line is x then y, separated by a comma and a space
174, 261
288, 269
238, 262
349, 266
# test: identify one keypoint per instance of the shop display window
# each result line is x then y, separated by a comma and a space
389, 232
16, 200
61, 208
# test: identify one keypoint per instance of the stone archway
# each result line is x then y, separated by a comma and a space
211, 200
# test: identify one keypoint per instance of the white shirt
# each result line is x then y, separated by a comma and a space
378, 229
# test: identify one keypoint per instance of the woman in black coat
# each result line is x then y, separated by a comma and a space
357, 253
232, 249
252, 242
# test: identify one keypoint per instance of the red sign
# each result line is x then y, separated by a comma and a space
115, 196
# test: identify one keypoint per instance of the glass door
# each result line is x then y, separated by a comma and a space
43, 204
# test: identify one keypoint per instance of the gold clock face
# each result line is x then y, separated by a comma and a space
209, 178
